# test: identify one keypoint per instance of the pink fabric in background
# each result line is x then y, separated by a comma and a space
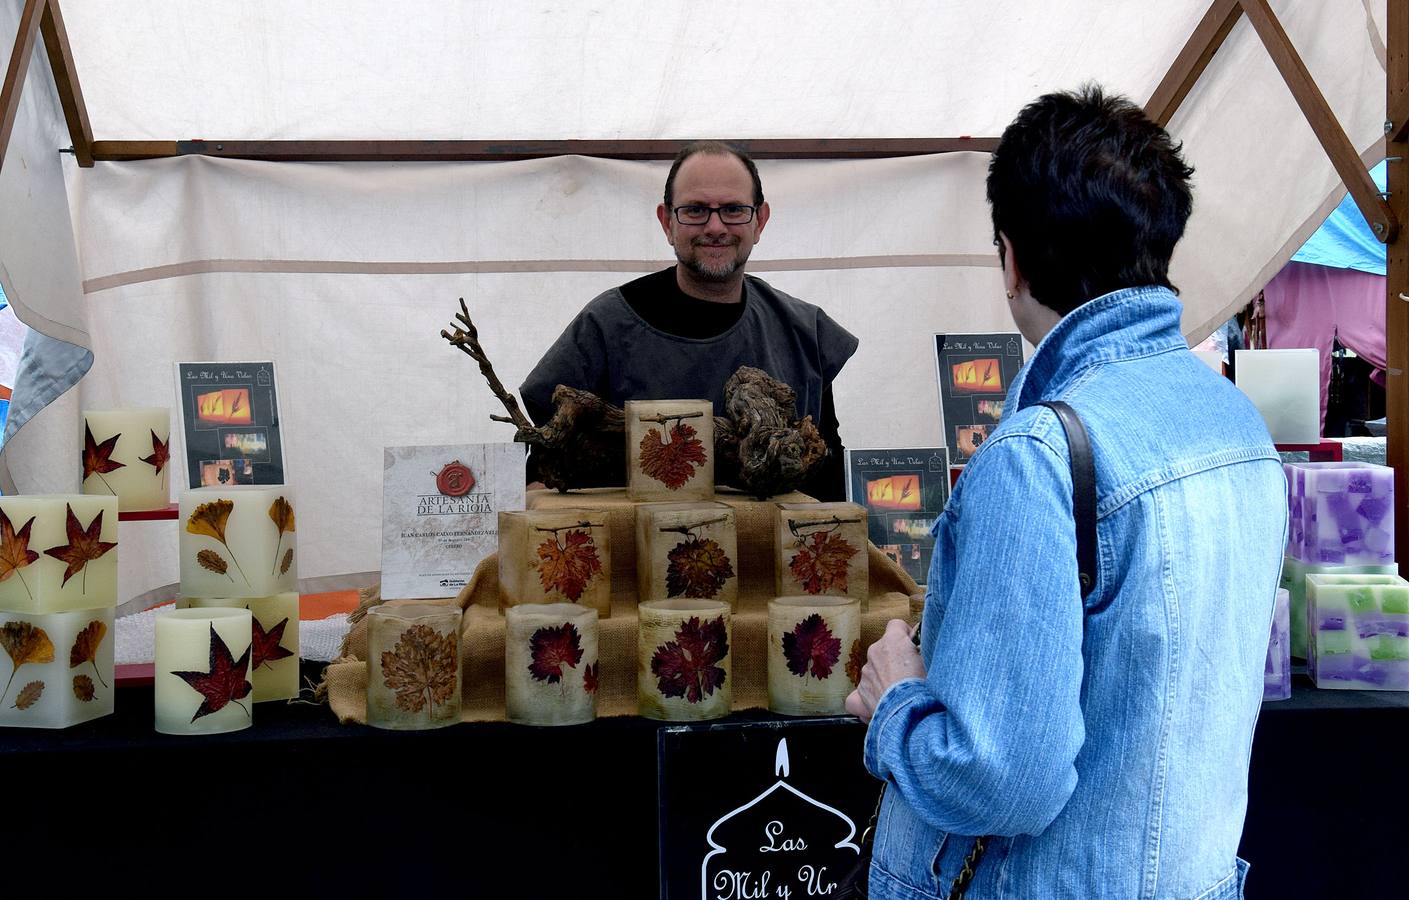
1309, 305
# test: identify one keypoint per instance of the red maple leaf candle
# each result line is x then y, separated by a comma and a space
550, 664
202, 678
126, 454
274, 637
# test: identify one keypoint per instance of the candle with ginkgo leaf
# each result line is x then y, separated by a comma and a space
126, 454
238, 541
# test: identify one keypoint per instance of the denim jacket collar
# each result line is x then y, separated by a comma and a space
1124, 324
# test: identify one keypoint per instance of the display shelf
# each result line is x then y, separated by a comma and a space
1326, 451
172, 513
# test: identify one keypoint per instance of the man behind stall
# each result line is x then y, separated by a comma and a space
681, 332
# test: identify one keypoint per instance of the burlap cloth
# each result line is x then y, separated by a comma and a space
482, 634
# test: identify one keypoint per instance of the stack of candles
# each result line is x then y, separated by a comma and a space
238, 552
58, 591
1341, 523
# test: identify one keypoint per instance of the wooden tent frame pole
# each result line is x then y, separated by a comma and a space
1397, 282
18, 68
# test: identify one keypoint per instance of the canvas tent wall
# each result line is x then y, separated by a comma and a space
344, 272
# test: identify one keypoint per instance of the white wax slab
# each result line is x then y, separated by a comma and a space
1285, 386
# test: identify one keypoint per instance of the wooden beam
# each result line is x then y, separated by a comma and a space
14, 75
1397, 119
1323, 122
66, 80
1192, 60
361, 151
1397, 282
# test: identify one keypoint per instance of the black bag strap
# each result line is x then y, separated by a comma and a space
1083, 482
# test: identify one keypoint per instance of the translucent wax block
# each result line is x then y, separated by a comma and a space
59, 552
669, 450
274, 637
684, 660
202, 679
1358, 631
56, 669
814, 654
125, 454
1344, 513
821, 550
1285, 386
1294, 573
238, 541
550, 664
1277, 673
413, 666
555, 556
687, 550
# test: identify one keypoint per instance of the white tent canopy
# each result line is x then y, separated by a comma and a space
344, 272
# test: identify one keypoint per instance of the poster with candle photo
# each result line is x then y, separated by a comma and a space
230, 422
904, 490
974, 372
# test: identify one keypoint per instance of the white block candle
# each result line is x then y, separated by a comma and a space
125, 454
238, 541
1285, 386
550, 664
669, 449
202, 682
683, 660
57, 552
413, 666
814, 654
274, 659
56, 669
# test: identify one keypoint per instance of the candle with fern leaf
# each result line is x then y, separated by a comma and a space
126, 454
238, 541
413, 666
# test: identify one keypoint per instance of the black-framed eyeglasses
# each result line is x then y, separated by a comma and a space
729, 214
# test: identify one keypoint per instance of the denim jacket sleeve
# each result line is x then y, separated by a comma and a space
987, 742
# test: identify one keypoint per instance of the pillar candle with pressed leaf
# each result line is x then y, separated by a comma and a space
413, 666
238, 541
202, 678
687, 550
683, 660
56, 669
274, 659
822, 551
814, 654
555, 556
125, 454
669, 449
58, 552
550, 664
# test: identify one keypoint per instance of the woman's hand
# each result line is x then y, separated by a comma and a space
893, 658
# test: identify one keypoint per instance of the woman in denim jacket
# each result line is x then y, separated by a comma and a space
1102, 745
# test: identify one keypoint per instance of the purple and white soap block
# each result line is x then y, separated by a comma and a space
1359, 631
1277, 673
1346, 513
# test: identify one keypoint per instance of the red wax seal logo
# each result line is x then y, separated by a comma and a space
455, 480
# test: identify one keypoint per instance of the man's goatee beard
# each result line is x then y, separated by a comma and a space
706, 272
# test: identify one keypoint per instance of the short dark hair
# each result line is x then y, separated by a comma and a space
1092, 194
714, 148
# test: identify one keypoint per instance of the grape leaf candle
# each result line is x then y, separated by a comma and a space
550, 664
126, 454
814, 647
683, 660
822, 551
555, 556
687, 550
413, 666
669, 450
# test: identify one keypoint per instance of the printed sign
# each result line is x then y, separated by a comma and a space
230, 422
904, 491
974, 372
761, 809
440, 513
